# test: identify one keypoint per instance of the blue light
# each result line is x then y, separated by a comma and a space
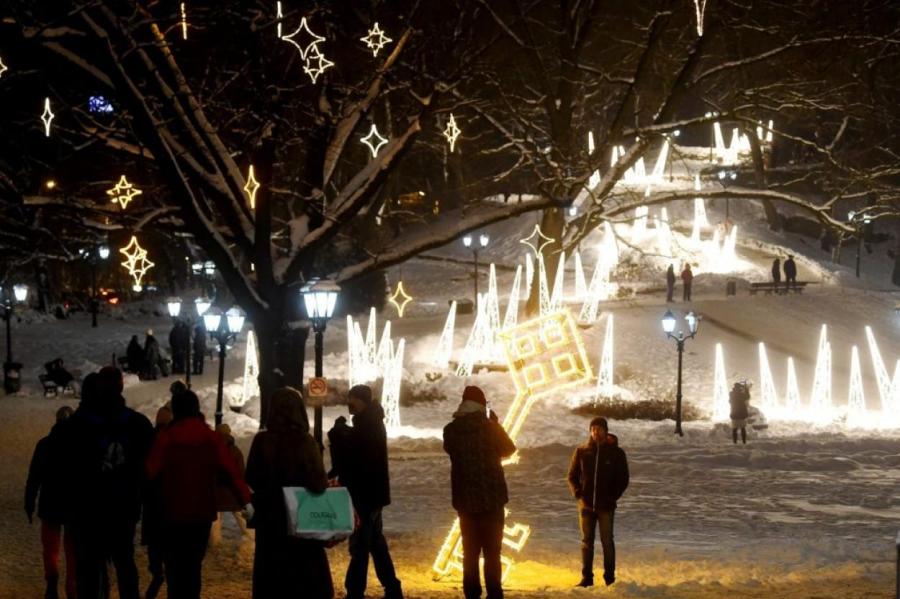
99, 104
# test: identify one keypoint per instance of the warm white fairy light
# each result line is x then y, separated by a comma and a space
279, 16
250, 386
544, 298
766, 382
47, 116
559, 284
184, 24
376, 39
123, 192
895, 387
303, 47
445, 343
373, 140
251, 187
580, 281
480, 342
856, 399
136, 260
609, 249
885, 385
540, 241
765, 135
3, 67
605, 386
399, 299
820, 402
391, 385
598, 291
721, 403
792, 394
451, 132
529, 272
367, 356
316, 64
492, 307
700, 219
700, 9
639, 228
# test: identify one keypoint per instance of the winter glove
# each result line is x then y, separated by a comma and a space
248, 512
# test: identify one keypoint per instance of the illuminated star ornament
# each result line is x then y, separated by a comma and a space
123, 192
316, 64
3, 67
376, 39
136, 263
47, 117
700, 7
537, 246
184, 23
373, 140
251, 187
307, 43
400, 305
451, 132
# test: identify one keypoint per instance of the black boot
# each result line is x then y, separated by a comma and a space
52, 592
585, 582
734, 435
743, 435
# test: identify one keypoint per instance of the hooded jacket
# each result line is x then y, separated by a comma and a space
598, 474
364, 467
47, 475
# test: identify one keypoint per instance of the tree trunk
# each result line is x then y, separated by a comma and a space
552, 224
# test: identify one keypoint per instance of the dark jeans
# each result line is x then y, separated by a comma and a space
184, 550
670, 291
590, 521
369, 538
197, 358
96, 543
686, 292
482, 532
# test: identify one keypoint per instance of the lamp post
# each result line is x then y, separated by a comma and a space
726, 177
319, 297
483, 241
224, 330
101, 253
860, 220
201, 304
11, 381
668, 325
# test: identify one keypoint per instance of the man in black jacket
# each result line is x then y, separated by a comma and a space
364, 471
598, 475
477, 444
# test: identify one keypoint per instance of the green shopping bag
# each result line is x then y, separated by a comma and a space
327, 516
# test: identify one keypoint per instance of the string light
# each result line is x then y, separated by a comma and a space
123, 192
510, 319
316, 64
580, 282
250, 386
451, 132
47, 116
556, 297
3, 67
700, 7
391, 383
856, 399
792, 396
820, 402
445, 343
184, 24
639, 229
303, 28
251, 187
885, 385
766, 383
721, 403
540, 241
376, 39
375, 137
136, 263
605, 387
400, 305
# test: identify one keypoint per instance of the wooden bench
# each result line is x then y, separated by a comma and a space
778, 288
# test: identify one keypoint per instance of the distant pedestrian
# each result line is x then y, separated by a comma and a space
739, 399
284, 454
151, 357
776, 271
598, 476
179, 340
687, 279
47, 485
188, 458
199, 348
364, 471
670, 283
477, 444
152, 524
226, 502
135, 355
790, 272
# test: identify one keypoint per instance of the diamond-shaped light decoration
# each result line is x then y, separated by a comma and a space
123, 192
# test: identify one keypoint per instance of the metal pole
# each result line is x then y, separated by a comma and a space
222, 340
320, 350
858, 247
678, 431
898, 565
93, 293
8, 317
187, 355
475, 253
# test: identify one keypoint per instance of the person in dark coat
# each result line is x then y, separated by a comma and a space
286, 455
47, 482
152, 531
188, 457
226, 502
687, 279
739, 398
151, 357
776, 271
106, 445
339, 447
670, 283
135, 355
179, 340
790, 272
477, 444
364, 471
199, 354
598, 476
61, 377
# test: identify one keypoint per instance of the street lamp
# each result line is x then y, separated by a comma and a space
101, 253
859, 219
320, 297
483, 241
11, 380
224, 330
174, 306
669, 322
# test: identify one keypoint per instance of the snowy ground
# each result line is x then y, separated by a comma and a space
802, 511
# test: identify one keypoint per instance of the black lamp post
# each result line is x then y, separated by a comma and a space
174, 305
668, 324
320, 297
101, 253
483, 241
860, 220
224, 330
11, 380
726, 177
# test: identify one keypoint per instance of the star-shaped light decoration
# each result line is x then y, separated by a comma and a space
316, 64
251, 187
400, 305
376, 39
136, 263
451, 132
373, 140
700, 6
304, 47
3, 67
184, 23
47, 117
123, 192
537, 246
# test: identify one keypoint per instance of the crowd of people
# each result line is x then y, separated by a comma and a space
687, 281
149, 361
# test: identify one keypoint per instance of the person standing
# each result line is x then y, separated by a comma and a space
135, 355
226, 502
199, 354
670, 283
286, 455
598, 476
790, 272
179, 339
188, 457
364, 471
152, 516
776, 271
687, 279
739, 399
477, 444
151, 357
47, 483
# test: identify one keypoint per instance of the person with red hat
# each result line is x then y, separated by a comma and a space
477, 444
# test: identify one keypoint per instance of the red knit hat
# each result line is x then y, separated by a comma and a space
473, 393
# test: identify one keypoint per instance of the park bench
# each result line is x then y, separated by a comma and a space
778, 288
